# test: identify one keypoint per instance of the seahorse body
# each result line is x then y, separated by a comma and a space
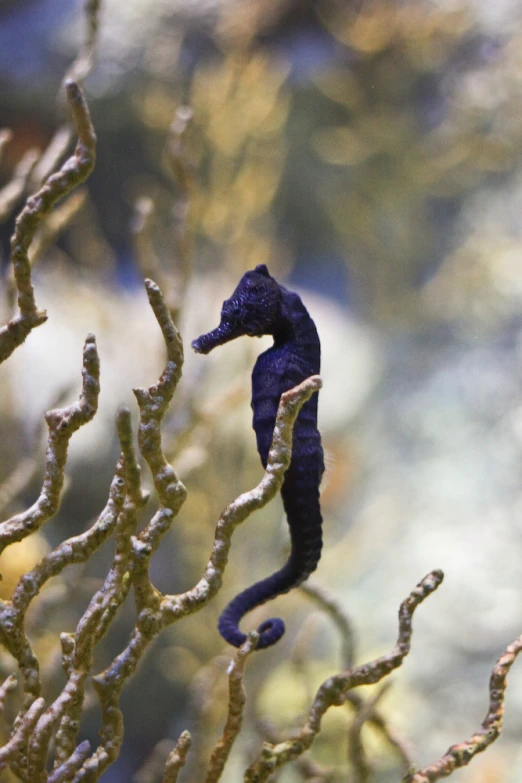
259, 306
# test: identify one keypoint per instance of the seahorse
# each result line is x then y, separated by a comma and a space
260, 306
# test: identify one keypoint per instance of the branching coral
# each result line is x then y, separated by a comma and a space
74, 171
45, 743
177, 758
236, 704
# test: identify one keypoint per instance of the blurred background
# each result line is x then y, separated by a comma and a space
370, 153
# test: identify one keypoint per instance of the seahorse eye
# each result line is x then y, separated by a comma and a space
231, 309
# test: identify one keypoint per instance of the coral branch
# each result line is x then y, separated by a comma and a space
106, 602
78, 652
177, 758
135, 552
74, 171
153, 404
236, 703
333, 691
309, 769
66, 770
22, 733
77, 549
460, 755
74, 550
62, 423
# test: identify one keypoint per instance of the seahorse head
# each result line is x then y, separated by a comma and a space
253, 309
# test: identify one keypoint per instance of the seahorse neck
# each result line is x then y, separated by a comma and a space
295, 328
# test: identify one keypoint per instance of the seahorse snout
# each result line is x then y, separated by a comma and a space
225, 332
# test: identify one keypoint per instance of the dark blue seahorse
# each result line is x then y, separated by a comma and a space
259, 306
